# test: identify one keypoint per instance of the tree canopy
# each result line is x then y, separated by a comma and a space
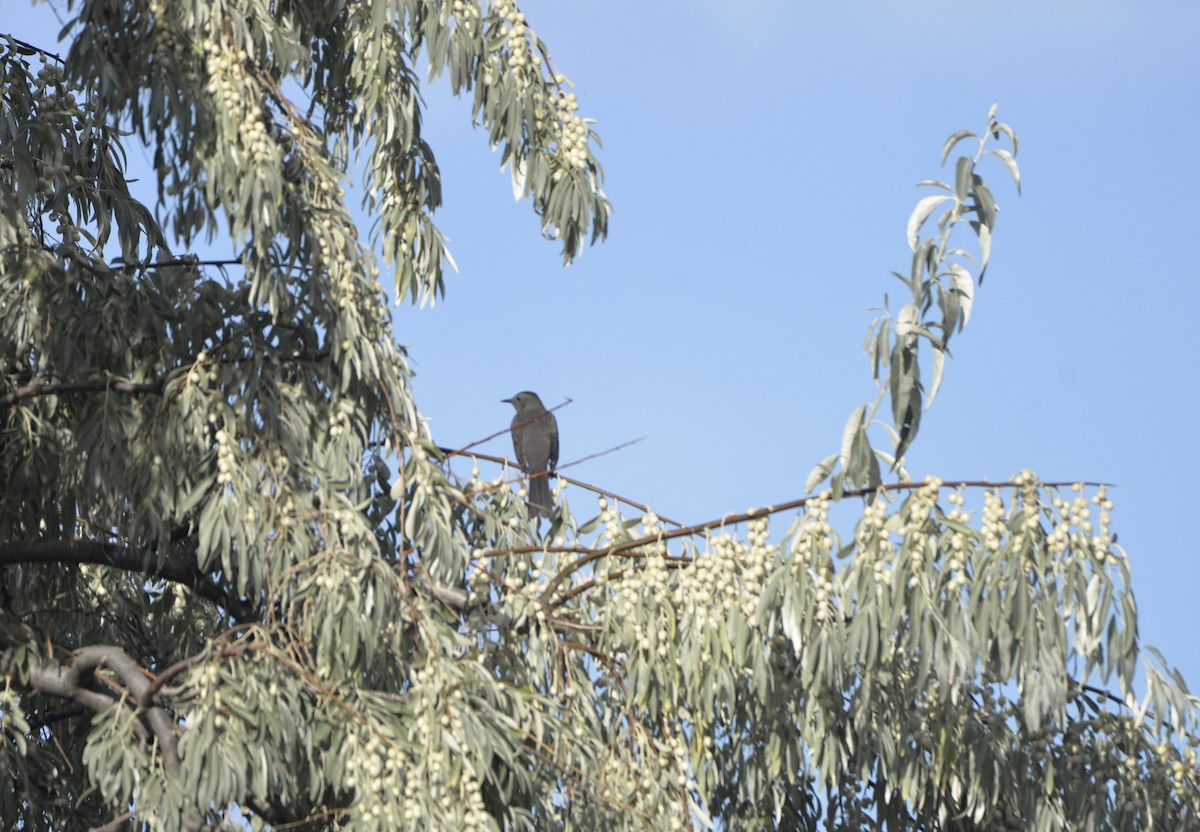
239, 586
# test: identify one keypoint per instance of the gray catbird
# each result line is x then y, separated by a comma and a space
535, 440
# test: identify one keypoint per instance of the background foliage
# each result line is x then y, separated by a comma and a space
238, 582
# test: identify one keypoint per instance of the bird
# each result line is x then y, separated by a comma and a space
535, 441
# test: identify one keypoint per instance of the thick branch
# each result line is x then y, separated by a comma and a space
90, 659
57, 680
71, 679
94, 385
179, 570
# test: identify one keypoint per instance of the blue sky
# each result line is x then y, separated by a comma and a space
761, 159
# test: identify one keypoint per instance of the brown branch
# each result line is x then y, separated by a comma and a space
460, 601
69, 680
179, 570
554, 473
589, 457
735, 519
529, 550
38, 49
44, 387
461, 451
52, 679
614, 496
672, 562
158, 682
113, 825
171, 672
453, 452
614, 665
1119, 701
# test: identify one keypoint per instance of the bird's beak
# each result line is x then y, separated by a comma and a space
506, 401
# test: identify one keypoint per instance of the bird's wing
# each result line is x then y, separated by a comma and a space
518, 435
553, 440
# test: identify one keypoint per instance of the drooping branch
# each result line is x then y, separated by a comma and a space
179, 570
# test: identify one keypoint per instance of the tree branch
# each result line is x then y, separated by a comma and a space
54, 680
90, 659
26, 45
461, 451
735, 519
96, 385
70, 680
555, 473
113, 825
179, 570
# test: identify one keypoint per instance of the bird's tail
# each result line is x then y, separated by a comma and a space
539, 497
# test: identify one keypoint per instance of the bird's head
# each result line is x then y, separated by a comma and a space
523, 398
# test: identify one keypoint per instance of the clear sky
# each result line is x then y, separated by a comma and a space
761, 158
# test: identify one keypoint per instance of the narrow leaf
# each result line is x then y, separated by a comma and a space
955, 139
961, 283
962, 177
921, 213
951, 307
1001, 127
985, 203
819, 472
939, 364
881, 347
906, 395
1010, 163
850, 431
906, 322
859, 470
985, 247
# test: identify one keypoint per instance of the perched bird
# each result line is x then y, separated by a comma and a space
535, 441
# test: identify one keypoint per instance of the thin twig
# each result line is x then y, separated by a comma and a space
38, 49
114, 824
536, 474
461, 451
